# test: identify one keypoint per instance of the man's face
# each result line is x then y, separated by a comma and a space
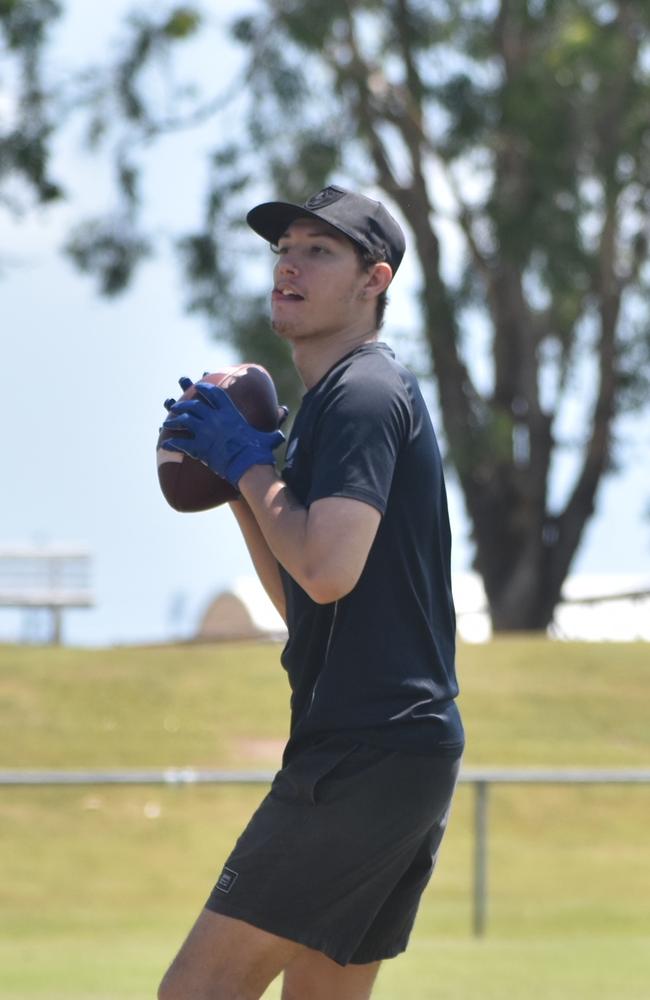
318, 283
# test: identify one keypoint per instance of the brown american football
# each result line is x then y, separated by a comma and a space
187, 484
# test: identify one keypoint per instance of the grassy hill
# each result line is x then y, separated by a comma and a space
524, 701
102, 883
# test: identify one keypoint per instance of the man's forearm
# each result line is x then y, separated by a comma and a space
323, 547
265, 563
281, 519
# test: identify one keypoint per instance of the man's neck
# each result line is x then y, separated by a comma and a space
314, 357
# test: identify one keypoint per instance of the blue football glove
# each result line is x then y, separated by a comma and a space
185, 383
218, 434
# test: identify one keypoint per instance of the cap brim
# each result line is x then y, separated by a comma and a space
273, 218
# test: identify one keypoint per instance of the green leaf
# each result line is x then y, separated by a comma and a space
244, 30
110, 250
182, 23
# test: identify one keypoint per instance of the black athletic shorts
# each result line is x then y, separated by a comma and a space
338, 854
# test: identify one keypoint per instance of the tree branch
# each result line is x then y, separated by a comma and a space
457, 393
607, 288
597, 454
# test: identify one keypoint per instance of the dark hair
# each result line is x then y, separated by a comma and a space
367, 258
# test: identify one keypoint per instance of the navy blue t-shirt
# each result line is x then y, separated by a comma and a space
378, 664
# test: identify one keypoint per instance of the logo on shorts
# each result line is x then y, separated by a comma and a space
226, 880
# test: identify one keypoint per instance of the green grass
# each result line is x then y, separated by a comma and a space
99, 885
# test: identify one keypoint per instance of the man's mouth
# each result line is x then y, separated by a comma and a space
287, 295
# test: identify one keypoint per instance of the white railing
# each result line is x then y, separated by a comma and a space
480, 777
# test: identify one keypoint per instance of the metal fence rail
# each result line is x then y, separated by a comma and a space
169, 776
480, 778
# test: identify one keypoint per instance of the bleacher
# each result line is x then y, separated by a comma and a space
49, 577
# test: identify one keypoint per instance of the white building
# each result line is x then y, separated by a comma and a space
596, 608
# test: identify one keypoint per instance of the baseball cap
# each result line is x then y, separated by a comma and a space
364, 221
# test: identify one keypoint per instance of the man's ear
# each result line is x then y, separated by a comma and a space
378, 280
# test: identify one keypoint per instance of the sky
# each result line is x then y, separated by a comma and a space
83, 382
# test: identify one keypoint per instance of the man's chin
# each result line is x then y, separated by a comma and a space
285, 329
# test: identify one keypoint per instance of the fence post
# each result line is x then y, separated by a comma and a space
57, 625
480, 855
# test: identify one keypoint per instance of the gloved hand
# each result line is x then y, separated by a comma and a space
185, 383
220, 436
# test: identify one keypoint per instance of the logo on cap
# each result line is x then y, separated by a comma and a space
322, 198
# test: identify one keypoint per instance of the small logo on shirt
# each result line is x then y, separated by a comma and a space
227, 879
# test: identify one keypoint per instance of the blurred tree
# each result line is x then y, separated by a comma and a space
513, 139
24, 142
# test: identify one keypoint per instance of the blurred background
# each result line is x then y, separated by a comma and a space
512, 142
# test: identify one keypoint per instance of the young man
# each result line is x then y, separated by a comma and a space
352, 544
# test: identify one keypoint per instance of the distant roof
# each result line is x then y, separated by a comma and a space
227, 618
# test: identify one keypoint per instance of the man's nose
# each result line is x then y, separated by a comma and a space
287, 263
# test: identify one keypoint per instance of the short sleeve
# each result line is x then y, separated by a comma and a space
361, 427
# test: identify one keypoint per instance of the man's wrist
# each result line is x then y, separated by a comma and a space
258, 476
240, 465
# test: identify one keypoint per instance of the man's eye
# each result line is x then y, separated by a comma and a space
317, 249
